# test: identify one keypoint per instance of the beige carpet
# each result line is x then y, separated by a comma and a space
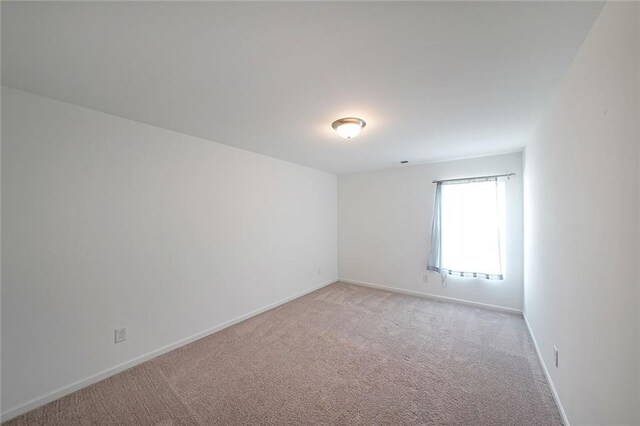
341, 355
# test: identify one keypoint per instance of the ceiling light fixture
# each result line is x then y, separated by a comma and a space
348, 127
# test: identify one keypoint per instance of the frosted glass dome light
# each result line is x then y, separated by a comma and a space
348, 127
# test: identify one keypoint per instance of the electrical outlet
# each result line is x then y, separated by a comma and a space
319, 271
120, 335
555, 354
425, 278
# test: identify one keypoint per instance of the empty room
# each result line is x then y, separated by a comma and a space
320, 212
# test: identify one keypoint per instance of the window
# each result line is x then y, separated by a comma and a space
468, 228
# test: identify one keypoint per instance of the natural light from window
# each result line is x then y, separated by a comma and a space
473, 227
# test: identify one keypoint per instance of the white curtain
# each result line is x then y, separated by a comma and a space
468, 228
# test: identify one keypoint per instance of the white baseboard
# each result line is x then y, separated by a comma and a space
432, 296
556, 398
40, 401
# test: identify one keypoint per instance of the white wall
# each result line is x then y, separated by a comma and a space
384, 222
581, 222
110, 223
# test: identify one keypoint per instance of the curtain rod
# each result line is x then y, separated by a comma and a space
475, 177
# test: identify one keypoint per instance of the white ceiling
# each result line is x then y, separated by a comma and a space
433, 80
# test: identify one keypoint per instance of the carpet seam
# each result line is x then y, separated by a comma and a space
173, 390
